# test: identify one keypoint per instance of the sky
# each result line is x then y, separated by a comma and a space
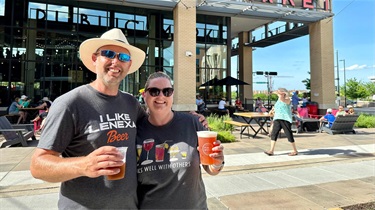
354, 42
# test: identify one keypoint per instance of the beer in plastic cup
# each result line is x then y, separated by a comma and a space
206, 141
121, 174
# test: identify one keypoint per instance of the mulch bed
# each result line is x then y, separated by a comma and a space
362, 206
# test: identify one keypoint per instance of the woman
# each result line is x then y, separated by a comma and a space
341, 111
282, 119
238, 104
169, 173
350, 110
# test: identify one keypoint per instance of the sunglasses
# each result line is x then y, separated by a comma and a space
167, 92
112, 54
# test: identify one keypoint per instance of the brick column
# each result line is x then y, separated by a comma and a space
322, 64
184, 73
245, 67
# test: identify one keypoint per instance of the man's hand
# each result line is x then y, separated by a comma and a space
202, 119
103, 161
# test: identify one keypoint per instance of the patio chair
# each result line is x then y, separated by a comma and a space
342, 124
15, 134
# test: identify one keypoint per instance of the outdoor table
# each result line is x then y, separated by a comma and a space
259, 118
32, 112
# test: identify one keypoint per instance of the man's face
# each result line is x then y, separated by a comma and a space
111, 71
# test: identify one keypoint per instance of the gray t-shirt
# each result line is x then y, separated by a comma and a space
169, 177
83, 120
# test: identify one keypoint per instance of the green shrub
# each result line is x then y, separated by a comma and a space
223, 130
365, 121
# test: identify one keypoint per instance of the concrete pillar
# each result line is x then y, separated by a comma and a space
184, 74
322, 64
245, 67
30, 46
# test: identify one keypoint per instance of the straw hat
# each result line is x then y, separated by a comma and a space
111, 37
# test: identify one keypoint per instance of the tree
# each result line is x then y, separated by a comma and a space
370, 86
356, 89
307, 82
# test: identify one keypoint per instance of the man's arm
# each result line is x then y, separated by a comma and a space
49, 166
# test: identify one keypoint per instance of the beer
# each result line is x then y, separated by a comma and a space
206, 141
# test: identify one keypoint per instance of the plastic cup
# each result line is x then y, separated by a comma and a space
206, 141
121, 174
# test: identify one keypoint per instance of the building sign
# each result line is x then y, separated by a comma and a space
305, 4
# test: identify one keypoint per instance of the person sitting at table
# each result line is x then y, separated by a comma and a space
327, 119
14, 107
40, 119
238, 104
43, 105
222, 104
201, 106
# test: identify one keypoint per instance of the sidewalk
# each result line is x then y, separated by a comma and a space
330, 171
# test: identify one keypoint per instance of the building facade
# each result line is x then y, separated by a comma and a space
192, 41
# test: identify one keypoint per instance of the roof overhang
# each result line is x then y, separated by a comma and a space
246, 15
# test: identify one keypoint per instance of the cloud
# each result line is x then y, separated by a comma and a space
358, 67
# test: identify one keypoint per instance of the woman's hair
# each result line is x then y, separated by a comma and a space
156, 75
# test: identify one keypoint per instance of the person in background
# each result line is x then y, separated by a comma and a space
43, 105
338, 99
341, 111
259, 104
327, 119
295, 100
282, 119
201, 106
350, 110
14, 107
176, 181
238, 104
24, 102
42, 116
222, 105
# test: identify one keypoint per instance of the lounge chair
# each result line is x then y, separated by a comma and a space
15, 134
342, 124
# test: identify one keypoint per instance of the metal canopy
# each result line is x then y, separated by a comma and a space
246, 15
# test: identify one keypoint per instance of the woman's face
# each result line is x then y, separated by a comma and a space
158, 103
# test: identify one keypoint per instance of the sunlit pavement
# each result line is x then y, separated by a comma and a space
329, 171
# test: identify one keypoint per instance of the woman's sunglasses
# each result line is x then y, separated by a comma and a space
112, 54
167, 92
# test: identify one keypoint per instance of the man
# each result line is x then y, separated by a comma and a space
84, 126
327, 119
295, 100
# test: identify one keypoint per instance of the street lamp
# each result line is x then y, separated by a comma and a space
344, 81
267, 74
338, 73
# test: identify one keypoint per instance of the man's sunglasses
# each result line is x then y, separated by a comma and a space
167, 92
112, 54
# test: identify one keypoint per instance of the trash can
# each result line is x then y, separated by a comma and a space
312, 108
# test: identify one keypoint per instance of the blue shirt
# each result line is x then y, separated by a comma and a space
330, 119
295, 99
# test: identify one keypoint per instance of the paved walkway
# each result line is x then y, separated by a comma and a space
330, 171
